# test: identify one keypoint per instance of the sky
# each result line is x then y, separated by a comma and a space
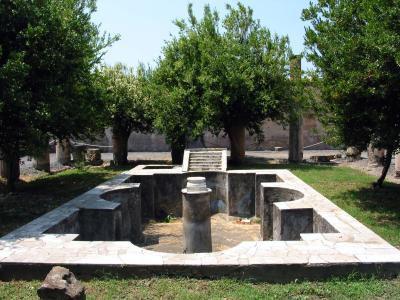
145, 25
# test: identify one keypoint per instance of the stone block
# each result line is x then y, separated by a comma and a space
146, 194
93, 156
196, 216
257, 189
216, 181
240, 194
270, 194
61, 283
289, 223
167, 195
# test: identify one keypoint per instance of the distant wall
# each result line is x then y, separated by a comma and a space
275, 136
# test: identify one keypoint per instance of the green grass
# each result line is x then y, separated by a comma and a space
186, 288
348, 188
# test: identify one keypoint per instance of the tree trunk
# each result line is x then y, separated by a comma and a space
9, 169
63, 152
177, 151
120, 148
386, 166
237, 136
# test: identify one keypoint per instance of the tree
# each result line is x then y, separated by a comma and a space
127, 106
178, 92
48, 51
230, 75
355, 46
245, 78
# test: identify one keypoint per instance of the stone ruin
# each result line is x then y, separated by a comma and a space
303, 235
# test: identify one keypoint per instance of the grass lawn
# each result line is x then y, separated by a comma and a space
348, 188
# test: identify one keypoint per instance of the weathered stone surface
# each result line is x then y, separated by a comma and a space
296, 140
288, 224
375, 157
147, 194
257, 196
216, 181
78, 153
93, 156
41, 162
167, 195
130, 222
241, 191
196, 216
322, 158
63, 152
60, 284
352, 153
339, 244
271, 193
397, 165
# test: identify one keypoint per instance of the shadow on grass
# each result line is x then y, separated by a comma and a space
379, 209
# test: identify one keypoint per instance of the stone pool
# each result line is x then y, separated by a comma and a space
300, 233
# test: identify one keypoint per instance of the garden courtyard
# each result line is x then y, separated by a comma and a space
348, 188
176, 150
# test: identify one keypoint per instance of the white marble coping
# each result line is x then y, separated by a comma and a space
353, 244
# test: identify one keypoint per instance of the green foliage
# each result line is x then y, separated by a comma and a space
127, 100
48, 51
219, 74
245, 71
355, 46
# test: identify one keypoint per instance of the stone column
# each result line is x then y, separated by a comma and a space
296, 141
41, 162
296, 122
196, 216
63, 152
397, 165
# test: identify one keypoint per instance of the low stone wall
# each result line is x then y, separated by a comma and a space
109, 212
313, 238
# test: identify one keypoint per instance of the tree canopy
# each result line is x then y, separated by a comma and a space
127, 105
227, 76
355, 46
48, 52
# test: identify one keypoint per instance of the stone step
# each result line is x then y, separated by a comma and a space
208, 157
205, 154
202, 160
204, 169
205, 157
206, 162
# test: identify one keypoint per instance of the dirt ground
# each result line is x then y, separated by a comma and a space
225, 233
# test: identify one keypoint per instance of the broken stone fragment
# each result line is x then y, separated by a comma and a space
61, 283
352, 154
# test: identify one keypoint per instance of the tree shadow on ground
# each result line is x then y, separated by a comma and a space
383, 202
